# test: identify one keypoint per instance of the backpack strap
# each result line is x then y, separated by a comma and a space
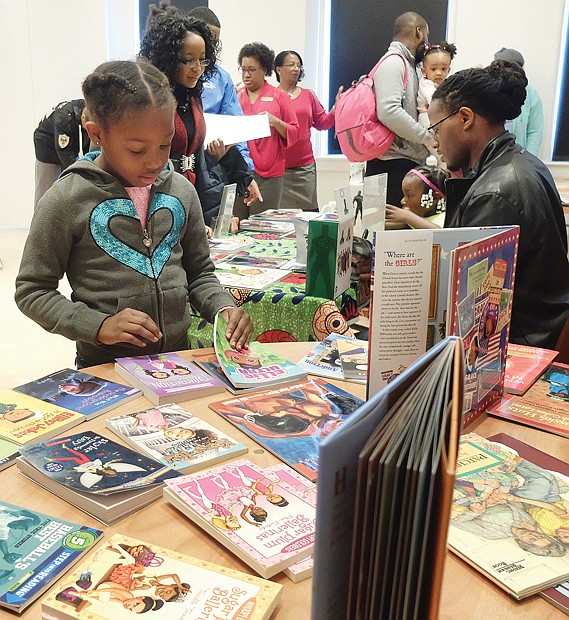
405, 77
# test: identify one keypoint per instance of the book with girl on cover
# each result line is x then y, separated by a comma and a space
25, 420
252, 511
167, 377
524, 365
545, 405
324, 359
207, 360
36, 550
127, 576
79, 392
175, 437
257, 366
292, 419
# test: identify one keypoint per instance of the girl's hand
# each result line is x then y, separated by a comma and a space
239, 327
254, 194
208, 232
397, 214
217, 149
130, 326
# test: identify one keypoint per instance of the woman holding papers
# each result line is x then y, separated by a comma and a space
260, 97
300, 176
184, 49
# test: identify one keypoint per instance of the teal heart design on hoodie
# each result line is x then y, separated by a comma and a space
148, 265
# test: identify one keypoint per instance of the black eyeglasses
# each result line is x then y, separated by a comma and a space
194, 63
434, 131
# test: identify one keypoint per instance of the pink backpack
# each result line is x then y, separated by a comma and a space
361, 136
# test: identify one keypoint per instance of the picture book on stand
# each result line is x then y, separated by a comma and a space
167, 377
171, 585
175, 437
24, 419
99, 476
256, 366
291, 420
385, 483
79, 392
36, 551
256, 515
524, 365
467, 277
506, 517
545, 405
324, 360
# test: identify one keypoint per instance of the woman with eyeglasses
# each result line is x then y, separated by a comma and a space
184, 49
299, 190
259, 97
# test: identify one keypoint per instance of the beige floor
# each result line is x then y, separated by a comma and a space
28, 352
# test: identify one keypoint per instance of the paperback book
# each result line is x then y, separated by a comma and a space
230, 244
95, 474
545, 405
280, 227
36, 550
207, 360
232, 275
291, 420
79, 391
171, 585
276, 215
245, 259
167, 377
353, 355
8, 453
506, 517
175, 437
385, 484
524, 365
324, 360
255, 514
256, 366
25, 420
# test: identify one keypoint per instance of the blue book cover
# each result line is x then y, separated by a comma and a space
36, 550
79, 391
88, 462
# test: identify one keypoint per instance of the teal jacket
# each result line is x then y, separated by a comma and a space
528, 127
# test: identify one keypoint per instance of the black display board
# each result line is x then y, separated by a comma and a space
182, 5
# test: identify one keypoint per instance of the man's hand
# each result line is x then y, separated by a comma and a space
239, 327
130, 326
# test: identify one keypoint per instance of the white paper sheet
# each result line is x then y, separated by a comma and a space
233, 129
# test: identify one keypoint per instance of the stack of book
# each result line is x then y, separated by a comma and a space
338, 357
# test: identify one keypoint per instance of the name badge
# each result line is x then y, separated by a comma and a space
267, 99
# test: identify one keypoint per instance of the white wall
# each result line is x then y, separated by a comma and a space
47, 47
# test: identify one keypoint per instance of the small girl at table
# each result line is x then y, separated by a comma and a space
436, 66
127, 230
423, 199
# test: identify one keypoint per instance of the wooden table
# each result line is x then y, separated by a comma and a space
466, 593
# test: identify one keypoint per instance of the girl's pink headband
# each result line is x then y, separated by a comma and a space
427, 182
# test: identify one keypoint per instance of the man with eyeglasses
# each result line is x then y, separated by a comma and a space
396, 103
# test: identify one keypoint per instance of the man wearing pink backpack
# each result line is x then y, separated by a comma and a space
396, 83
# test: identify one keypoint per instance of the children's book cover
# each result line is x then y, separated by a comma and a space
274, 226
244, 259
258, 516
8, 453
90, 463
167, 377
324, 360
291, 420
545, 405
207, 359
233, 275
277, 215
256, 366
175, 437
127, 576
524, 365
508, 516
24, 419
230, 244
36, 550
79, 391
353, 359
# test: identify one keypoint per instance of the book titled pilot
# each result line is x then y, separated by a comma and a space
167, 377
253, 512
79, 391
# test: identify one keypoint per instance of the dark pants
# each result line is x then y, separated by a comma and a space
396, 169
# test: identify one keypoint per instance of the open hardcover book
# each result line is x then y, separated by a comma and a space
169, 584
385, 486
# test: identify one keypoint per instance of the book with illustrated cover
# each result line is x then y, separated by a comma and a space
558, 596
207, 359
150, 578
467, 275
291, 420
25, 420
508, 510
79, 391
230, 244
545, 405
276, 215
353, 355
324, 360
254, 513
244, 259
175, 437
167, 377
524, 365
99, 476
8, 453
384, 495
256, 366
37, 549
251, 277
271, 226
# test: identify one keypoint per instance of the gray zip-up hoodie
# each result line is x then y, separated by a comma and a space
86, 227
397, 106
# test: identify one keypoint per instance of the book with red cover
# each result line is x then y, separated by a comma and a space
524, 365
545, 405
